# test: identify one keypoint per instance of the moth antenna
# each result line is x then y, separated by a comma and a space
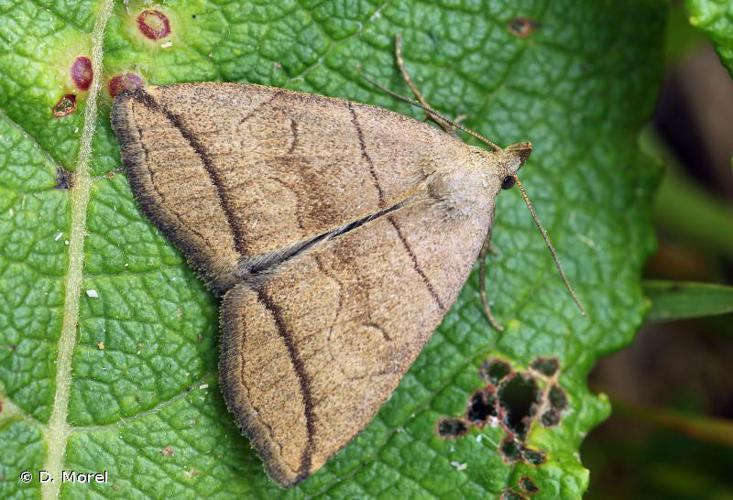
415, 91
553, 252
429, 110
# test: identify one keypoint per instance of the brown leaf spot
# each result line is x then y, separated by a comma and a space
533, 457
64, 178
167, 451
511, 449
528, 485
65, 106
550, 418
558, 398
510, 494
514, 450
522, 27
546, 366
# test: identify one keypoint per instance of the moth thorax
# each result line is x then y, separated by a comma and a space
458, 191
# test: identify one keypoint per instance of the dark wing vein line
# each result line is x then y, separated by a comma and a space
147, 100
303, 379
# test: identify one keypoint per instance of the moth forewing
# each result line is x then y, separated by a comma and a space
364, 224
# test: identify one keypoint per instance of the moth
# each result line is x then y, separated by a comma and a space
337, 234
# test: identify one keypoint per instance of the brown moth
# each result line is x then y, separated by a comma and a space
338, 234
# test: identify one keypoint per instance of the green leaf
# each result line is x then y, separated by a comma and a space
673, 300
108, 342
715, 18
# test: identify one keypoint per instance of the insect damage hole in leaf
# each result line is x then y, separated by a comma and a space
518, 398
494, 371
239, 465
514, 404
451, 428
482, 406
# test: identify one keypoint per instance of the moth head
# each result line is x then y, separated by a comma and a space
514, 158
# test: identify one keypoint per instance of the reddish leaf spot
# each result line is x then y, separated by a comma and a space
153, 24
167, 451
81, 72
65, 106
125, 81
522, 27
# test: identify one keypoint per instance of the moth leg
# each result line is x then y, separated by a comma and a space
490, 250
486, 249
418, 95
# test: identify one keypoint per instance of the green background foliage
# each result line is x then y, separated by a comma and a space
147, 407
715, 18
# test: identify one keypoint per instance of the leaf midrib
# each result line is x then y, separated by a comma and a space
57, 431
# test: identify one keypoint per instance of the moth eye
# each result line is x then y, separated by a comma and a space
508, 182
